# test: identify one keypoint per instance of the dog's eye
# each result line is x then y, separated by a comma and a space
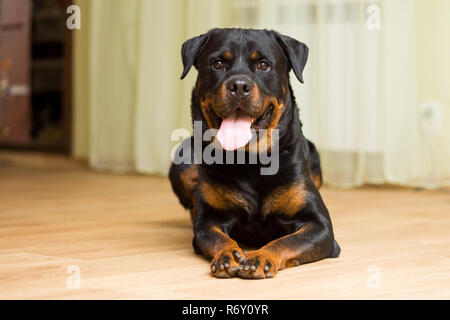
217, 64
263, 66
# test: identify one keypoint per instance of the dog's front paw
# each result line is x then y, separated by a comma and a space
225, 263
259, 264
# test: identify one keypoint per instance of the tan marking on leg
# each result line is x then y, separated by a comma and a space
189, 178
285, 256
226, 254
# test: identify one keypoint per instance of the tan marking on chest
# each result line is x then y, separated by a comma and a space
288, 200
221, 197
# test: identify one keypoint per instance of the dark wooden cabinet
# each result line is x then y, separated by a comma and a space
15, 64
35, 66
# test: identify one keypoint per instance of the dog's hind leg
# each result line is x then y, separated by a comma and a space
314, 165
183, 174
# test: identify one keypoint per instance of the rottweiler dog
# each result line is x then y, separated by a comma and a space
242, 89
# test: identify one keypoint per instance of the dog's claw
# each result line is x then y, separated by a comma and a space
240, 258
221, 267
213, 268
253, 268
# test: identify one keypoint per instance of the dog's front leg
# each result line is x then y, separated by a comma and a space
212, 240
313, 240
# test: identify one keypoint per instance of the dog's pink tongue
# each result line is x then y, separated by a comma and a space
234, 132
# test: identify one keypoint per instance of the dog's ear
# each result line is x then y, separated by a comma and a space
295, 52
190, 51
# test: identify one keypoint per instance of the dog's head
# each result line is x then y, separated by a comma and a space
243, 79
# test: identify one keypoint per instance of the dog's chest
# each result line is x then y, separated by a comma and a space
286, 200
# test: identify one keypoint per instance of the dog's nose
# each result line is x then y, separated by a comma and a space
239, 87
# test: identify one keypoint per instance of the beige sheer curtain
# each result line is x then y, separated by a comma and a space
361, 101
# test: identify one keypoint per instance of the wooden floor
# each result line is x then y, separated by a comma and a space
127, 237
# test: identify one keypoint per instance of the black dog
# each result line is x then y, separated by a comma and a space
242, 88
